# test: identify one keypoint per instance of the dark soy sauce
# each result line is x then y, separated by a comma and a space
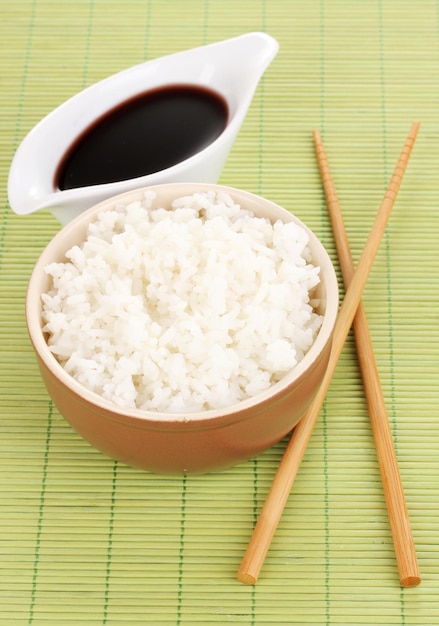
150, 132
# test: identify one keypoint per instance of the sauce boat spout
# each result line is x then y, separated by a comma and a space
230, 69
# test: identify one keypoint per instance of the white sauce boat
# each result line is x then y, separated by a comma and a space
232, 67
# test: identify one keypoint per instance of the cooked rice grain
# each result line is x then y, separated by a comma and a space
182, 310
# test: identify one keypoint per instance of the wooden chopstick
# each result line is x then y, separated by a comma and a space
276, 500
392, 486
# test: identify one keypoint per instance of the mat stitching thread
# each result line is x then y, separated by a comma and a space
205, 21
181, 550
19, 117
327, 517
324, 407
41, 513
387, 254
147, 31
255, 521
260, 186
87, 43
110, 543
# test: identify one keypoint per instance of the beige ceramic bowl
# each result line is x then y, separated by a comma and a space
197, 442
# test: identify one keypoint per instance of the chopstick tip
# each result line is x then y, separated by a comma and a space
415, 127
411, 581
246, 578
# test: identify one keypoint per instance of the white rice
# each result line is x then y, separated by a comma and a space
181, 310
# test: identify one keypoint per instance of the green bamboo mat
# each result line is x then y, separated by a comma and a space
86, 540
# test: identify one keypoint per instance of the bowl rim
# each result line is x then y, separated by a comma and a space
34, 322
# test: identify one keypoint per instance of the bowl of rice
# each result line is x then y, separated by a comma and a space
183, 327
